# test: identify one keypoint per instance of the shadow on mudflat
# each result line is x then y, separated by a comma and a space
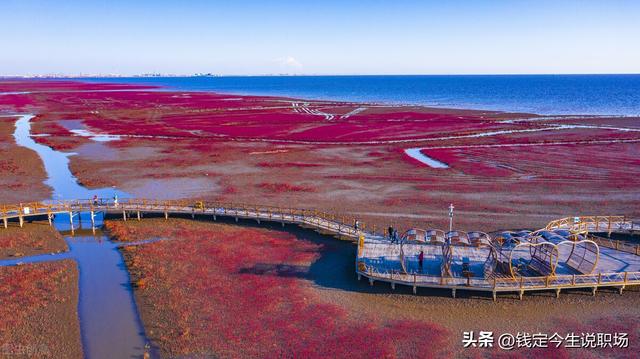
335, 266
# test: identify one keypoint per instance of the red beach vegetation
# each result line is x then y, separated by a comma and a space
229, 291
38, 307
33, 238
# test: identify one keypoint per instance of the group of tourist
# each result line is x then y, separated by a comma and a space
97, 200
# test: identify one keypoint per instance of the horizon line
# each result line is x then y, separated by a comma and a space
152, 75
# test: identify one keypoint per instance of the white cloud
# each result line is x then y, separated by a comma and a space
289, 62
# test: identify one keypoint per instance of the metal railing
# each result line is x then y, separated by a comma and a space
592, 223
615, 279
309, 217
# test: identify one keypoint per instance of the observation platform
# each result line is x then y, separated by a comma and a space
564, 254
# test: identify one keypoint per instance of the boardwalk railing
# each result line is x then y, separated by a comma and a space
318, 220
368, 267
607, 224
617, 245
504, 284
342, 227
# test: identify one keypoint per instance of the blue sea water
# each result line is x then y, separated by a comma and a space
540, 94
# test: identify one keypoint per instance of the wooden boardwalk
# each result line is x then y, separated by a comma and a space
378, 259
136, 208
618, 263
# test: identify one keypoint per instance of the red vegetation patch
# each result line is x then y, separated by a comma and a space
38, 307
286, 165
216, 288
21, 170
38, 85
165, 113
283, 187
618, 164
224, 137
36, 238
472, 165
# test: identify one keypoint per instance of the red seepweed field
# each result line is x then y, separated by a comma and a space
38, 307
504, 170
229, 292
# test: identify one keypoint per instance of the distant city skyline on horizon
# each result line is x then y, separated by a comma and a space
72, 38
143, 75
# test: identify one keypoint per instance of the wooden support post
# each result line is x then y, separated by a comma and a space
415, 289
71, 219
371, 281
393, 285
359, 277
453, 292
193, 214
124, 215
624, 282
593, 291
557, 292
6, 222
93, 219
138, 215
166, 215
521, 293
49, 215
236, 219
21, 219
214, 217
494, 296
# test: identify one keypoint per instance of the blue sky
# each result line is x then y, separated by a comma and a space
323, 37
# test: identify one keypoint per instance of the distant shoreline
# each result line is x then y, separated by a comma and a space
112, 76
544, 95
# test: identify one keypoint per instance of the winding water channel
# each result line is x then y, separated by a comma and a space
109, 321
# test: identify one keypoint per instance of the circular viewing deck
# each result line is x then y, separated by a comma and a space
565, 254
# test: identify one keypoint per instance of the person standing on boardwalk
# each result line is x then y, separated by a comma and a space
356, 225
420, 259
115, 201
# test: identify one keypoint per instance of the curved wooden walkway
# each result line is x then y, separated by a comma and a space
597, 224
343, 227
323, 222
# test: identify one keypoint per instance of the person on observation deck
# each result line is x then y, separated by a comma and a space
356, 225
420, 259
95, 199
